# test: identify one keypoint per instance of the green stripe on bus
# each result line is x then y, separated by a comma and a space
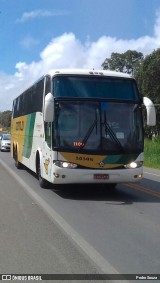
120, 158
28, 140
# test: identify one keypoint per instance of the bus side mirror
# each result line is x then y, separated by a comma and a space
49, 108
151, 112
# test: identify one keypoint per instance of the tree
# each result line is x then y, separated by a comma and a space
127, 62
147, 74
148, 79
5, 119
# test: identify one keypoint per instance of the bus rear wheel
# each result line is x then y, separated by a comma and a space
17, 163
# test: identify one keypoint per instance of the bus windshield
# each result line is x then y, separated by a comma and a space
98, 126
97, 87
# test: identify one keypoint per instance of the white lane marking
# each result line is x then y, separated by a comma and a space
90, 251
151, 174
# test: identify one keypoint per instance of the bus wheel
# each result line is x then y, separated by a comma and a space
42, 182
17, 163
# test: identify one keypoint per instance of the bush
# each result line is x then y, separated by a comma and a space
156, 139
152, 154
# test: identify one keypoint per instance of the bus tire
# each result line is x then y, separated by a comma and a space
17, 163
42, 182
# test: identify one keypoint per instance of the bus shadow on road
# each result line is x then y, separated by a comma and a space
91, 192
123, 194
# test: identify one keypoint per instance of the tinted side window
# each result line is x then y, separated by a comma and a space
29, 101
48, 85
37, 96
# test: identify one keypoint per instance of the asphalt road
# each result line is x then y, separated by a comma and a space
78, 229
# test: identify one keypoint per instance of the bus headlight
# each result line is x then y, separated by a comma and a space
134, 165
64, 164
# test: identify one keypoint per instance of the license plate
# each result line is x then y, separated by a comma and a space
101, 176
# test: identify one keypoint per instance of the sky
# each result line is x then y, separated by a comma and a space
36, 36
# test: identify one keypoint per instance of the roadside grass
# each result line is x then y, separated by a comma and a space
152, 154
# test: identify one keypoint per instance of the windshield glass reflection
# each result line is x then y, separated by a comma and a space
98, 126
97, 87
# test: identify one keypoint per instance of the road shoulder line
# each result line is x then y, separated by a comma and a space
94, 255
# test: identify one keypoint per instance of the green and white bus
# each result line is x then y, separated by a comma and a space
81, 126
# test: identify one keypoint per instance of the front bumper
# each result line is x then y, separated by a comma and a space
81, 176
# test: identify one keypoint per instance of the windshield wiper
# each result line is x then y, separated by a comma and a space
112, 135
89, 132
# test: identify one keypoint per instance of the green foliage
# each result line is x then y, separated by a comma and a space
127, 62
151, 154
147, 74
156, 139
148, 79
5, 119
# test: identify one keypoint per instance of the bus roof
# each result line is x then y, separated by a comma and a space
88, 72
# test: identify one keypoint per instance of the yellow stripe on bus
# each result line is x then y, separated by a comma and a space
88, 160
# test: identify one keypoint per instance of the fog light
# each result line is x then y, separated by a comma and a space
56, 175
139, 176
